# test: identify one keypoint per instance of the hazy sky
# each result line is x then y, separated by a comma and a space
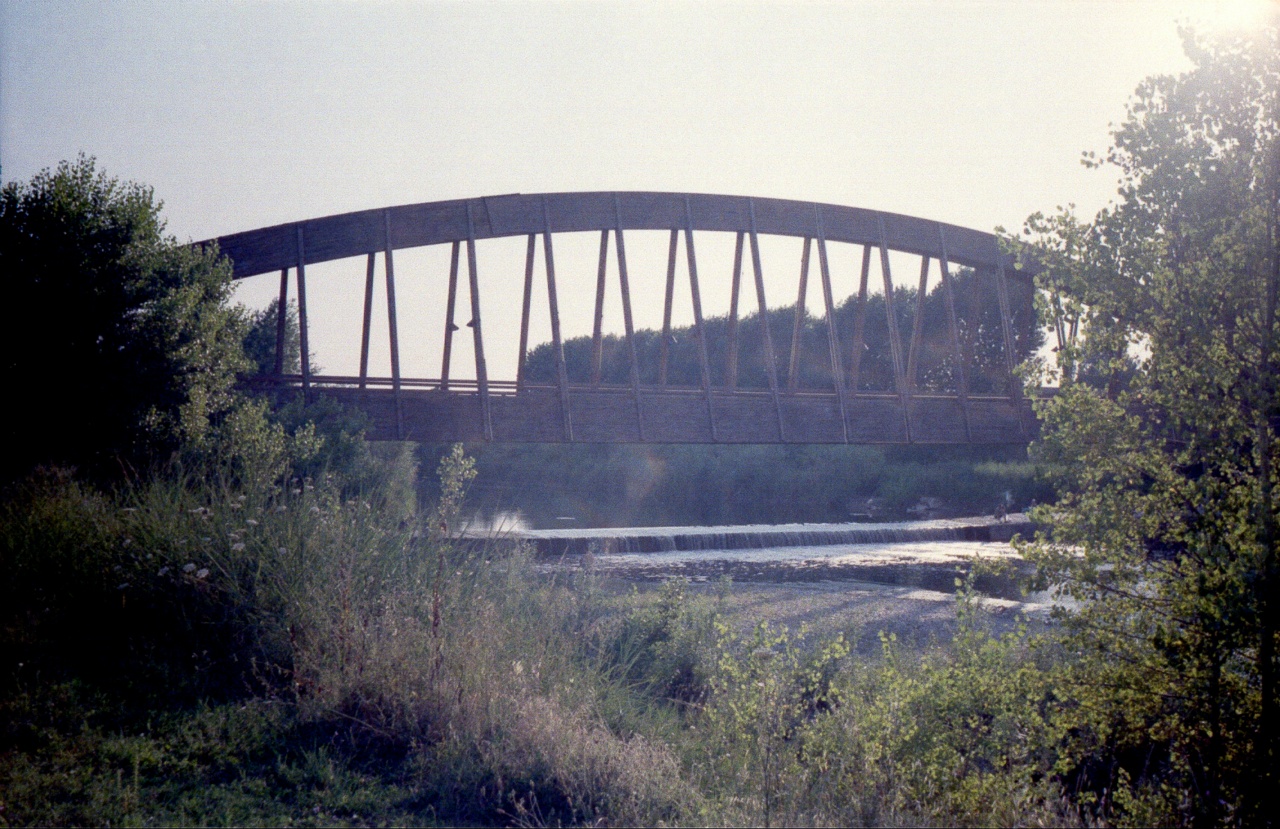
243, 114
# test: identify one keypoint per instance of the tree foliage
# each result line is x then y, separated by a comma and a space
134, 348
978, 323
1162, 438
260, 340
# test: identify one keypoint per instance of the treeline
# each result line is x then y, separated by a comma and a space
978, 323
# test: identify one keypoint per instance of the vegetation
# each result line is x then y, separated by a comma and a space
140, 350
1163, 441
236, 616
978, 323
623, 485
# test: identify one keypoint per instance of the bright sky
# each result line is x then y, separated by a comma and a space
244, 114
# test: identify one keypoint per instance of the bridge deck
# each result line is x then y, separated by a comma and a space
603, 414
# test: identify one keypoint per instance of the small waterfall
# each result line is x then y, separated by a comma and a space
693, 539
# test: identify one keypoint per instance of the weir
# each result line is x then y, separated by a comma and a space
759, 537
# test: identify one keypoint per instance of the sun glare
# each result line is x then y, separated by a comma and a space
1233, 15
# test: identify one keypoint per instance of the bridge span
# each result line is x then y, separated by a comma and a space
969, 396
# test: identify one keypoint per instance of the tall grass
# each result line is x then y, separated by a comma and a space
453, 659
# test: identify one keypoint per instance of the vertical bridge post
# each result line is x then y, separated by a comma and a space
449, 325
530, 250
368, 319
664, 346
794, 365
895, 336
859, 323
770, 362
957, 354
597, 331
699, 331
303, 345
482, 371
731, 366
833, 337
282, 318
917, 327
392, 334
562, 375
629, 326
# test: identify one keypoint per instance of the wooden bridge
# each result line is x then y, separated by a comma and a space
721, 408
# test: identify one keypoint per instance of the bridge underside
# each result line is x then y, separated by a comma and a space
617, 415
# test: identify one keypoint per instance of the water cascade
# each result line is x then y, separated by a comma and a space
633, 540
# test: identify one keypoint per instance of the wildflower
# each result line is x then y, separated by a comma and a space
164, 571
188, 567
252, 522
234, 505
282, 550
237, 547
202, 572
128, 541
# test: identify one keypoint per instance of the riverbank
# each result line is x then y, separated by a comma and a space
651, 485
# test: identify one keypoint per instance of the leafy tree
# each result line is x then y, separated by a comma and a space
135, 349
1162, 436
260, 340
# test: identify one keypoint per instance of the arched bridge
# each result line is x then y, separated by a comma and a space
887, 363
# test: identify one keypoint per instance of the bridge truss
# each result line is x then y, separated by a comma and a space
525, 409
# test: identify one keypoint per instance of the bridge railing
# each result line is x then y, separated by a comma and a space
292, 383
